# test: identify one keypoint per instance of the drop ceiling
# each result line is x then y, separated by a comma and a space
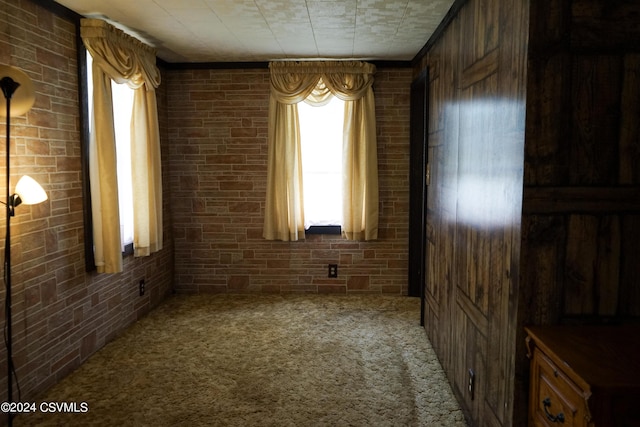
264, 30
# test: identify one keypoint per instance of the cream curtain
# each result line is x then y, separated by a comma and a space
119, 57
315, 82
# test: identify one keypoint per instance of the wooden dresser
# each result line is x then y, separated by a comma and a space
584, 375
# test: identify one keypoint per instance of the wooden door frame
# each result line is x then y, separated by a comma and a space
417, 186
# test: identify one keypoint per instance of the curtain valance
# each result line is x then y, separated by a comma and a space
293, 82
123, 58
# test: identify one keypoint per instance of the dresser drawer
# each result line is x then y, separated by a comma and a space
555, 399
587, 373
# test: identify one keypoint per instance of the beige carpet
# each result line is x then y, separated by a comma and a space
253, 360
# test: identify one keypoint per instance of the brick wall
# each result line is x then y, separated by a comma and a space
214, 160
218, 161
61, 314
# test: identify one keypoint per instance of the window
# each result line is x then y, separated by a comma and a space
122, 96
119, 57
321, 130
122, 108
284, 212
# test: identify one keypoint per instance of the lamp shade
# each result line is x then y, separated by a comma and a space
30, 192
24, 96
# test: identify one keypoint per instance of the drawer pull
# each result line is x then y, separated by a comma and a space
553, 418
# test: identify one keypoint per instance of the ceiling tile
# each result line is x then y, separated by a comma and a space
263, 30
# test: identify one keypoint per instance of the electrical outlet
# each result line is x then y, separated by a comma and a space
333, 270
472, 383
141, 288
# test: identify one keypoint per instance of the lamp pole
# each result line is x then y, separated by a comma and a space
9, 86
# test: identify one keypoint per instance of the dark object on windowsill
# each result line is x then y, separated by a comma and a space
128, 249
324, 229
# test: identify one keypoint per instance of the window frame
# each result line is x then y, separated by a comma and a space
89, 259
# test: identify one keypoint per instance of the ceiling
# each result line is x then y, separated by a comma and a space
265, 30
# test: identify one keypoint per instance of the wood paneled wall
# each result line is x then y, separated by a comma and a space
581, 209
533, 209
581, 204
475, 154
